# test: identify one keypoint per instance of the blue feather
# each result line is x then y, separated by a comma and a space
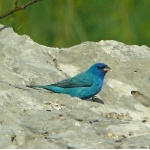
84, 85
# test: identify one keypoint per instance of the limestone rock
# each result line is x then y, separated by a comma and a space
33, 118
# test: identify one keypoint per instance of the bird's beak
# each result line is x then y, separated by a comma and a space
106, 69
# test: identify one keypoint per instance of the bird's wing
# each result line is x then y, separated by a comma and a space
81, 80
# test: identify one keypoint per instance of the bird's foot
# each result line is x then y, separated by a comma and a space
96, 99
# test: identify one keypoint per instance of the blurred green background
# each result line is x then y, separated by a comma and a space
64, 23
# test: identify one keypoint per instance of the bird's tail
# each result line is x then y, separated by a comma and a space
47, 87
34, 86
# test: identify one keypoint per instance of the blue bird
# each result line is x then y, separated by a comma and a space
84, 85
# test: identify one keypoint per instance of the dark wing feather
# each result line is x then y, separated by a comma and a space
81, 80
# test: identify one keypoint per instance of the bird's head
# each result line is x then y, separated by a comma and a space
99, 69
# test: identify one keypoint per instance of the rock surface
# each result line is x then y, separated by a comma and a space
32, 118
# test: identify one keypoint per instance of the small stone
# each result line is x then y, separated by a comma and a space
109, 135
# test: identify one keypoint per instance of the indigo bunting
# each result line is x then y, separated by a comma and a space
84, 85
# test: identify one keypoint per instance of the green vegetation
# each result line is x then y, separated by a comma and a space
64, 23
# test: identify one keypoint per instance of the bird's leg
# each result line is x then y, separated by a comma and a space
96, 99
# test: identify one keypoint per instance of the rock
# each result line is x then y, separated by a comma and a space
32, 118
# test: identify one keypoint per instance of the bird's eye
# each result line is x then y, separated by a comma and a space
99, 67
